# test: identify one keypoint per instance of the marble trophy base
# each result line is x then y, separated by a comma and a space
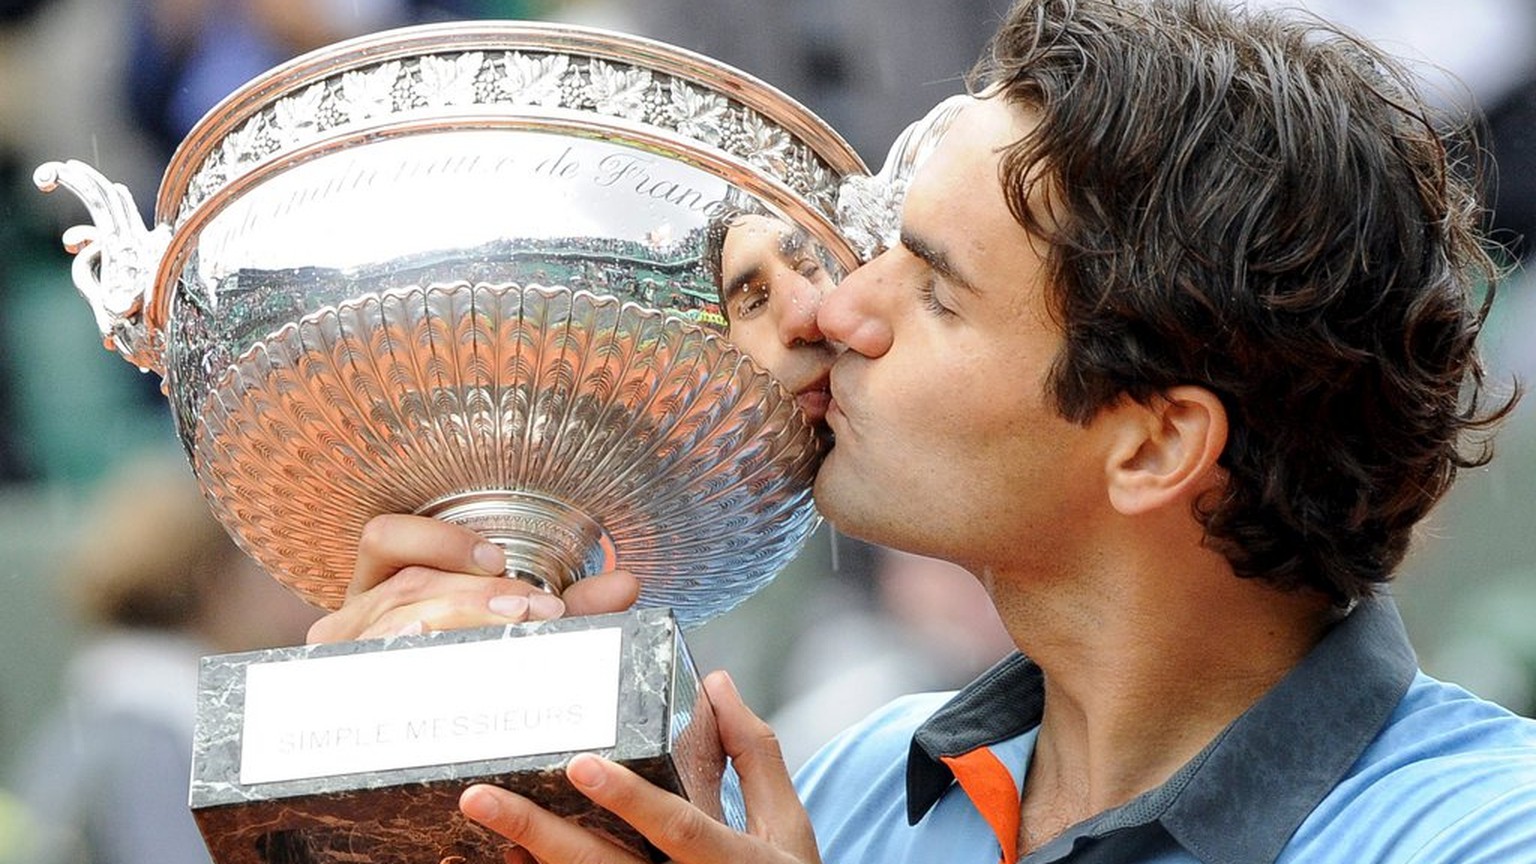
283, 773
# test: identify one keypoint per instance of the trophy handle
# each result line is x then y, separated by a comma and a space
116, 260
869, 208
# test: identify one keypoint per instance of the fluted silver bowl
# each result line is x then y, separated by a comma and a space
460, 270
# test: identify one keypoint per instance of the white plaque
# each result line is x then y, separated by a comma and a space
435, 705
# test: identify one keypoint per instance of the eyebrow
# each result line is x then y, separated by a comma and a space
740, 281
790, 245
793, 243
936, 259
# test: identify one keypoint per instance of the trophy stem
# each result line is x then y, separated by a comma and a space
548, 543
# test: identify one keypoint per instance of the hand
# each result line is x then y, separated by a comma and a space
416, 574
780, 829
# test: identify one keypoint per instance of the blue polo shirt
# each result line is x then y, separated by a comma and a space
1354, 757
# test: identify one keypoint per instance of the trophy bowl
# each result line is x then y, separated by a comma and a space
458, 270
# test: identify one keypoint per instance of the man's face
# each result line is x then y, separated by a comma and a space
772, 283
946, 444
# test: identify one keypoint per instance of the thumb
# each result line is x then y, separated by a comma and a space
774, 811
613, 591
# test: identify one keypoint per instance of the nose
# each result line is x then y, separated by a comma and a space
801, 303
851, 313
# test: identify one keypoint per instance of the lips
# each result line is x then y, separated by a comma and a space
834, 407
814, 398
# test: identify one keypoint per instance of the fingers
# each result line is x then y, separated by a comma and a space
606, 592
393, 542
774, 811
781, 834
417, 600
416, 574
679, 829
541, 835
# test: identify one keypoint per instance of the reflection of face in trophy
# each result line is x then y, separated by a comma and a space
772, 277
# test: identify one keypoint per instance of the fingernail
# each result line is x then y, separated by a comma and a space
415, 628
585, 771
479, 804
721, 681
489, 557
514, 606
545, 606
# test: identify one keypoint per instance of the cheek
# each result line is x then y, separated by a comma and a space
775, 358
962, 387
748, 338
982, 419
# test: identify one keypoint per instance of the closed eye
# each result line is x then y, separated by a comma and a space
927, 292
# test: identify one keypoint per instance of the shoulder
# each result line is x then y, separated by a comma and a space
1441, 728
879, 739
1450, 777
867, 761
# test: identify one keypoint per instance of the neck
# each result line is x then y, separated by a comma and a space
1144, 665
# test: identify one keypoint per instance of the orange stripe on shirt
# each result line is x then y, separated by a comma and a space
991, 788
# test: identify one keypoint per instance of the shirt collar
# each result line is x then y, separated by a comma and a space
1265, 772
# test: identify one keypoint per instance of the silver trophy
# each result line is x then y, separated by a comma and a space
461, 270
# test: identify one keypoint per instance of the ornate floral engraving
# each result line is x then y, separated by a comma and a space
699, 113
246, 144
298, 116
397, 88
534, 80
764, 144
449, 80
618, 90
368, 93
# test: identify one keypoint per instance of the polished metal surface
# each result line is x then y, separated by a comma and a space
459, 270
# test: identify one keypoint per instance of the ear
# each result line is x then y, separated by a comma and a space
1165, 452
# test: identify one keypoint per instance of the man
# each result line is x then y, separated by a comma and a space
1176, 350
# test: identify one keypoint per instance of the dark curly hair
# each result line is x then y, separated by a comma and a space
1263, 206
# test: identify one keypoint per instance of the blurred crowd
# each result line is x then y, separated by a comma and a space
158, 584
119, 84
